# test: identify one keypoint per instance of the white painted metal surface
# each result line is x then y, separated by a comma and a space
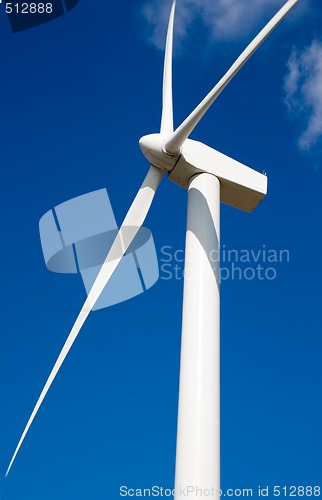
241, 187
198, 436
167, 107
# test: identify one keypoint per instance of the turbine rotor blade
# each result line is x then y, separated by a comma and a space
176, 140
129, 229
167, 101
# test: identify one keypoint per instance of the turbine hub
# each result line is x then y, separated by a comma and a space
152, 148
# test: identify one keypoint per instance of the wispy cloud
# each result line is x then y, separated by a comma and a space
303, 91
223, 19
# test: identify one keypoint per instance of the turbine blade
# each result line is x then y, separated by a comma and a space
130, 227
176, 140
167, 101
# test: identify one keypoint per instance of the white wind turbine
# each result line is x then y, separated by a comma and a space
211, 178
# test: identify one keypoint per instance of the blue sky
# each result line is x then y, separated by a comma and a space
77, 94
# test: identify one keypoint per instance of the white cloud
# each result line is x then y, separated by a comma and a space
303, 91
223, 19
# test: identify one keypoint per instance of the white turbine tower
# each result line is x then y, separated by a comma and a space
211, 178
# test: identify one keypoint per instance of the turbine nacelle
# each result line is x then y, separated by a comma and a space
241, 186
152, 146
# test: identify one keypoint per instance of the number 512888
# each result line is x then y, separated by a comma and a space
29, 8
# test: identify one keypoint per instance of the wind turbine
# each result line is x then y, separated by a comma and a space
210, 177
